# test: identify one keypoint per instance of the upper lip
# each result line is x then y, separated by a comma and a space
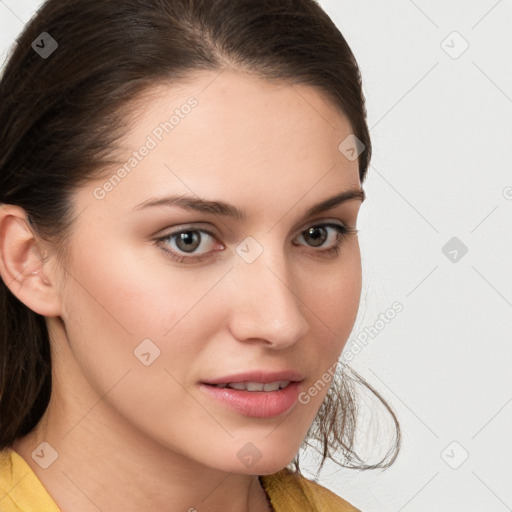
258, 376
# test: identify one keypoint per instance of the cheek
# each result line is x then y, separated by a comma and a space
332, 302
133, 293
333, 297
118, 304
123, 304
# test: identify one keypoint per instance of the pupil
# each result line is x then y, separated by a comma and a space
186, 240
320, 236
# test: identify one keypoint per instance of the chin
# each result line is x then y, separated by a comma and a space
265, 460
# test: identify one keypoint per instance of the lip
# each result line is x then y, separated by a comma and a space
258, 376
256, 404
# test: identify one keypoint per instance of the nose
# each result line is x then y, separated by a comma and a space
265, 307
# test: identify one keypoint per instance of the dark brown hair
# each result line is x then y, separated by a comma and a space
61, 116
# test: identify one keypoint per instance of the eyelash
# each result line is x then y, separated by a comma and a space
343, 232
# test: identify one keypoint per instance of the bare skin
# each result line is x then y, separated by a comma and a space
132, 437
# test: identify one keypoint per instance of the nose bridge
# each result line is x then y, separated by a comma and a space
266, 306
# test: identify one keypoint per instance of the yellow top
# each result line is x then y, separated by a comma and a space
21, 490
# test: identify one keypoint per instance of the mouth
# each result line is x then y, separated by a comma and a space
256, 394
255, 386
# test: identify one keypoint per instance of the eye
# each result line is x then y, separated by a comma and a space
318, 235
183, 245
186, 241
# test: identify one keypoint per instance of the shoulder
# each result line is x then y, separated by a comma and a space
20, 489
289, 491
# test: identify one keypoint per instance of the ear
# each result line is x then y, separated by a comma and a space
24, 265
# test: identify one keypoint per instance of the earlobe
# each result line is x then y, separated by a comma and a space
24, 265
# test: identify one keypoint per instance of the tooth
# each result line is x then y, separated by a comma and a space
254, 386
237, 385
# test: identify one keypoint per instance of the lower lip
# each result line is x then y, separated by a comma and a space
256, 404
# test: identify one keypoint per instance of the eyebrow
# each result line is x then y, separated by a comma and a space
229, 210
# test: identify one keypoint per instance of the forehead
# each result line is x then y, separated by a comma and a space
235, 110
228, 134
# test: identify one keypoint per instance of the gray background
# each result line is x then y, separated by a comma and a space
440, 116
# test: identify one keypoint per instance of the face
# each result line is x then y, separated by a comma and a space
178, 315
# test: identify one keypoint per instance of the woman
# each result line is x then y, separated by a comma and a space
180, 182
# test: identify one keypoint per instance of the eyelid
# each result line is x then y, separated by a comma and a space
174, 230
323, 222
197, 227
